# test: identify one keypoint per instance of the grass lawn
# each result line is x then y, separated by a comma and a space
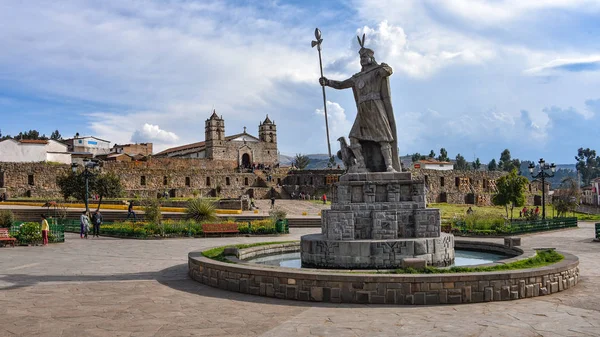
450, 211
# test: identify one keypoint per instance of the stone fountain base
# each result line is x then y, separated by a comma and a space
376, 221
319, 252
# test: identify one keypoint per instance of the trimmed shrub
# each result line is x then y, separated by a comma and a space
6, 218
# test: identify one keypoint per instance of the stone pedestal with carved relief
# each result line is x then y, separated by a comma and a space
377, 220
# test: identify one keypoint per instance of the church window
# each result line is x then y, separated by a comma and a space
165, 180
187, 181
485, 183
207, 181
457, 181
227, 182
278, 181
529, 187
311, 180
246, 181
442, 181
143, 180
30, 180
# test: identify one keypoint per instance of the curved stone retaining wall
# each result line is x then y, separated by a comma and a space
340, 287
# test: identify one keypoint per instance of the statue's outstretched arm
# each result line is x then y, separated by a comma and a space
337, 84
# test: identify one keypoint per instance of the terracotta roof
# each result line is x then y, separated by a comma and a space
429, 161
182, 147
33, 141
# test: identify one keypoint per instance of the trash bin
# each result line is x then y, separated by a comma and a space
282, 227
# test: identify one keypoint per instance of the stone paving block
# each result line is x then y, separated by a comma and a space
529, 290
303, 295
363, 297
489, 294
476, 296
316, 294
419, 298
466, 294
390, 296
431, 299
505, 293
454, 299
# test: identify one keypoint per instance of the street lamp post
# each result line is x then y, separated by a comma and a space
543, 174
87, 174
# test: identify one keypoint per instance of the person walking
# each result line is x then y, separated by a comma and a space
130, 210
45, 230
85, 225
272, 201
324, 198
96, 222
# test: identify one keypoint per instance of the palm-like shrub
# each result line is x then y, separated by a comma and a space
200, 210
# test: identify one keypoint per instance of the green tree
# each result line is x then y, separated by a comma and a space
566, 197
476, 164
301, 161
106, 185
431, 154
461, 164
506, 163
31, 134
443, 155
492, 166
588, 164
56, 135
415, 157
511, 191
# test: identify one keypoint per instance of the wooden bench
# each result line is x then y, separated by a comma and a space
220, 228
4, 237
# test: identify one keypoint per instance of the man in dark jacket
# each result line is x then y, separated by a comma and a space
97, 221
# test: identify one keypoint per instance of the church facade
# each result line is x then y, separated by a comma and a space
243, 148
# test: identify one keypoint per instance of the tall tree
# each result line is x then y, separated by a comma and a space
511, 191
588, 164
566, 197
415, 157
476, 164
106, 185
492, 166
431, 154
301, 161
505, 163
56, 135
443, 155
461, 163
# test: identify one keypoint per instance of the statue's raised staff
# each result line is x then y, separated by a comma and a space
373, 139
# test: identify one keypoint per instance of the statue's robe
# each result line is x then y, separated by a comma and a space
375, 116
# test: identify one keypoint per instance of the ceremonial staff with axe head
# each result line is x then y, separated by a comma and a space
318, 44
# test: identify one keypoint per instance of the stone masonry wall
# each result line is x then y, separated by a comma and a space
324, 286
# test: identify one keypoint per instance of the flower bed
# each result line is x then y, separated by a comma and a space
175, 228
30, 233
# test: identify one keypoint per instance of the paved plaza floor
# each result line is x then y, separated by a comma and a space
114, 287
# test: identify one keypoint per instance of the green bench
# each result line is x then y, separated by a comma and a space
598, 231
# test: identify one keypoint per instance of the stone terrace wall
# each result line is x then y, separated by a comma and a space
324, 286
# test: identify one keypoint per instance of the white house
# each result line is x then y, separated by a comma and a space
88, 144
28, 150
432, 164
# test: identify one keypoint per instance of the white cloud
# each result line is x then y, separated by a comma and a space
153, 133
339, 125
421, 55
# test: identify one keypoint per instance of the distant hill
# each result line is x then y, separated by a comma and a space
316, 161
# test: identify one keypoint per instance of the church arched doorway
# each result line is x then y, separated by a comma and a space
245, 160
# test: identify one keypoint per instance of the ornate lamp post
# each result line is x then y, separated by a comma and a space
87, 174
543, 174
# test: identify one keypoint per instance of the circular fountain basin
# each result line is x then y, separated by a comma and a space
361, 286
461, 258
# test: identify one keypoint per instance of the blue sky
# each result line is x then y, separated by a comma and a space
475, 77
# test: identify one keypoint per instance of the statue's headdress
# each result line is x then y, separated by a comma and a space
364, 50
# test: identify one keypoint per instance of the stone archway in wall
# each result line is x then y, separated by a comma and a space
245, 156
246, 160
